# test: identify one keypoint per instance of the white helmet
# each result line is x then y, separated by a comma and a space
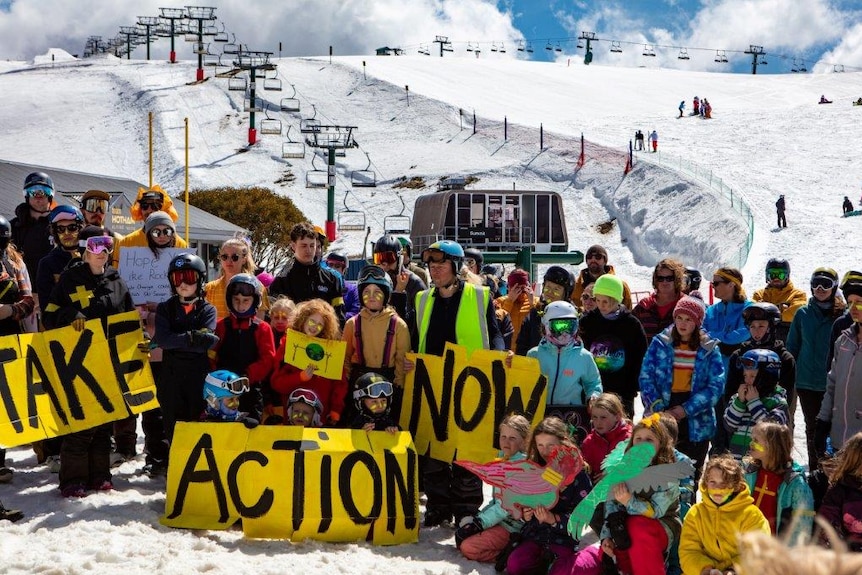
559, 310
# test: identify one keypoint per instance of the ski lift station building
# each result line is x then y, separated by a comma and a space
206, 231
490, 220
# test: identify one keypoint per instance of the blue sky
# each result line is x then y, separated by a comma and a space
821, 33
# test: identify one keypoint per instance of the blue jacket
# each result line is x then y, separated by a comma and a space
793, 495
573, 378
494, 514
707, 384
723, 321
808, 341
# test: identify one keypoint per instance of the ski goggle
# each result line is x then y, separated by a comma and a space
822, 283
70, 229
776, 274
179, 277
235, 386
558, 327
243, 289
371, 273
743, 362
435, 256
96, 205
159, 232
98, 244
385, 258
39, 192
307, 397
375, 390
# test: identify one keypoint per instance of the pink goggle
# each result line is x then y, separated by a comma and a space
98, 244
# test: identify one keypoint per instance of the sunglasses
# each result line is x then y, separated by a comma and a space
774, 274
188, 277
716, 283
39, 192
587, 297
385, 258
98, 244
595, 256
435, 256
159, 232
70, 229
238, 385
226, 257
150, 205
558, 327
664, 278
307, 397
823, 284
96, 205
375, 390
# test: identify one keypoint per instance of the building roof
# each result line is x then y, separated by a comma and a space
70, 185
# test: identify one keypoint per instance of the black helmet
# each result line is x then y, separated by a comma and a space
561, 276
778, 264
387, 243
372, 385
5, 233
183, 263
372, 274
476, 255
851, 284
406, 245
495, 270
692, 279
38, 179
247, 285
761, 310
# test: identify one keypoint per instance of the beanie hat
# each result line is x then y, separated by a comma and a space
91, 232
597, 250
517, 276
692, 307
158, 219
98, 194
610, 286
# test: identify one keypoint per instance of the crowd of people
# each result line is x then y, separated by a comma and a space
719, 383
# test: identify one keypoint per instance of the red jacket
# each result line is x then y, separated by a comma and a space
332, 392
245, 347
596, 446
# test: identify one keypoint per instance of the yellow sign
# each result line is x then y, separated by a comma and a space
326, 355
296, 483
60, 381
453, 405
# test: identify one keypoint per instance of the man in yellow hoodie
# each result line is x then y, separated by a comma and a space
780, 291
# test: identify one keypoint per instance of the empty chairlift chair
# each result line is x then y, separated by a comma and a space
616, 48
270, 125
292, 149
237, 84
349, 220
272, 81
396, 224
310, 125
315, 178
683, 54
231, 47
291, 103
366, 178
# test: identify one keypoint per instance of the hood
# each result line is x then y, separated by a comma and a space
741, 500
167, 204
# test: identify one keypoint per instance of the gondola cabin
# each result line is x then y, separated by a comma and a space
491, 220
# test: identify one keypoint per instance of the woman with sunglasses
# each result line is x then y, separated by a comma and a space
655, 311
85, 455
149, 200
235, 258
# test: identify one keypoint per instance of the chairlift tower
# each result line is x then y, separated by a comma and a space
331, 138
252, 62
172, 15
129, 32
148, 22
445, 44
589, 37
201, 14
756, 53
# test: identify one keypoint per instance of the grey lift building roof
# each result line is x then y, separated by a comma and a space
69, 185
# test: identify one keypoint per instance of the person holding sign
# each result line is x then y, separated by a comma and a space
89, 289
184, 329
317, 319
245, 342
459, 312
154, 199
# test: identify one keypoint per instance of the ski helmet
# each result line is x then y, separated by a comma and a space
761, 310
221, 385
39, 179
187, 268
443, 250
307, 397
406, 245
560, 321
775, 266
371, 385
5, 233
768, 366
246, 285
851, 284
387, 249
563, 277
375, 275
495, 270
476, 256
65, 214
692, 279
824, 278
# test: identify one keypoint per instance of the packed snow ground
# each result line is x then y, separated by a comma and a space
768, 136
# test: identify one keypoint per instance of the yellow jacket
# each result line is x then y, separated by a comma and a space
710, 532
517, 310
788, 299
374, 328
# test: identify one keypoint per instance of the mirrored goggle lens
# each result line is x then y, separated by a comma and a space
39, 192
774, 274
435, 256
99, 244
822, 283
96, 205
385, 258
562, 326
305, 396
179, 277
159, 232
375, 390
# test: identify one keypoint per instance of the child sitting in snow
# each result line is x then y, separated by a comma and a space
372, 394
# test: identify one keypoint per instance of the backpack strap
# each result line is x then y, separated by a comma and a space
359, 339
390, 337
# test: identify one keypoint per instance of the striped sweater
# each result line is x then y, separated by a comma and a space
740, 417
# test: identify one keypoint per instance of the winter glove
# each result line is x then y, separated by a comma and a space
250, 422
821, 434
78, 323
200, 338
616, 523
145, 345
468, 527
